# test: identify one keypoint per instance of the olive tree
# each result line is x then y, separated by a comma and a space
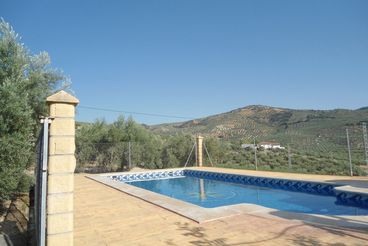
25, 81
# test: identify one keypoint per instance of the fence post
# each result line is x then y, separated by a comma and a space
199, 150
60, 185
289, 156
129, 156
349, 151
255, 154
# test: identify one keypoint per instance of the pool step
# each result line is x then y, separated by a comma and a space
350, 195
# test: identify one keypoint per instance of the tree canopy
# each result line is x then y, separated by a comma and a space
25, 81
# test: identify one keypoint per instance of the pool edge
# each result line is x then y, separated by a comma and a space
204, 215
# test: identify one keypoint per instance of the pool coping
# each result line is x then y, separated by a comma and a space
204, 215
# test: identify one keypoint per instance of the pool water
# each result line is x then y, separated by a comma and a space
212, 193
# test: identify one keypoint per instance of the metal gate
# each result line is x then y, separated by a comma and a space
41, 183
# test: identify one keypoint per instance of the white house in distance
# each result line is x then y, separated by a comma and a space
270, 145
265, 145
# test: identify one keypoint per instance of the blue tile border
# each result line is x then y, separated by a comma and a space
130, 177
353, 199
284, 184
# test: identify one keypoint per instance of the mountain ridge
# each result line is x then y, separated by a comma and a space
266, 122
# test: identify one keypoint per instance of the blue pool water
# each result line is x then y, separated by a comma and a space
212, 193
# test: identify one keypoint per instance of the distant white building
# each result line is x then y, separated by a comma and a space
270, 145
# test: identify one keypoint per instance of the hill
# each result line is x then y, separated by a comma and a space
322, 129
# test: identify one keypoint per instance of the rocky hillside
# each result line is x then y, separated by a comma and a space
325, 128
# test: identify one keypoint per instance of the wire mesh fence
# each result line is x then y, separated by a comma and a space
319, 154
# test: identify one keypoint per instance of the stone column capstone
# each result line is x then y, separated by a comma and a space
61, 166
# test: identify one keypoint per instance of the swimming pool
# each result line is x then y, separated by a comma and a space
213, 193
213, 190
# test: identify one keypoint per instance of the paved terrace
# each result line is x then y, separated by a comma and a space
105, 216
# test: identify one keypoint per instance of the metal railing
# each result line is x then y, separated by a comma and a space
41, 183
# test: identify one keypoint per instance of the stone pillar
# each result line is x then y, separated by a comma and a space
60, 178
199, 150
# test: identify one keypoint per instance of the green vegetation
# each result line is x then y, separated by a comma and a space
104, 147
25, 80
277, 160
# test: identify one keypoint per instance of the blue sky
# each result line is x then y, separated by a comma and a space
197, 58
